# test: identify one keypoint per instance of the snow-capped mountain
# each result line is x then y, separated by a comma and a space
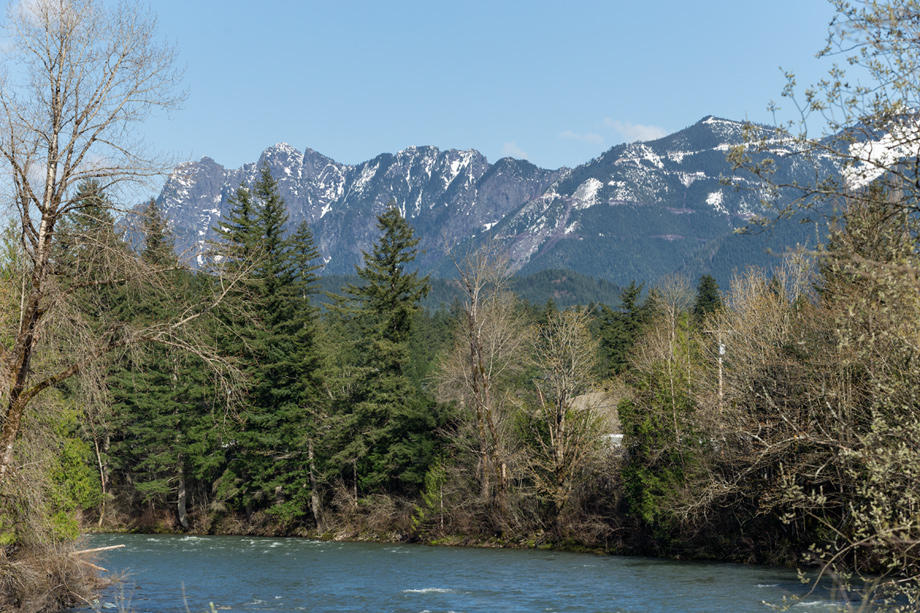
647, 209
638, 211
447, 196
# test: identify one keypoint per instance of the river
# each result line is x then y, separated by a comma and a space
167, 572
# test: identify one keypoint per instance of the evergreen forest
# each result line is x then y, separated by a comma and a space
773, 421
681, 421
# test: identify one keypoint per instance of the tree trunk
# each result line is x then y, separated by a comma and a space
485, 486
8, 437
316, 503
181, 504
102, 480
18, 374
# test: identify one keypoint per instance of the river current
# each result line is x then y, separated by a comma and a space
178, 573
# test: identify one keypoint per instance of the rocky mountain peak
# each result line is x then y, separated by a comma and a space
637, 211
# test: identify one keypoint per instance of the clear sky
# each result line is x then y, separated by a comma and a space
557, 82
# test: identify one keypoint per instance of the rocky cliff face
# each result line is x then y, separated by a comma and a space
447, 195
638, 211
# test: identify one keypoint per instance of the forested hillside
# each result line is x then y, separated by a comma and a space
677, 421
772, 419
563, 288
638, 211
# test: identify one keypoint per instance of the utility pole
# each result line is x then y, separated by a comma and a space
721, 354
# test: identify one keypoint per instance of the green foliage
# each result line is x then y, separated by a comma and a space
564, 287
159, 247
74, 481
707, 297
270, 325
430, 336
236, 245
389, 294
87, 254
162, 422
654, 471
658, 420
619, 329
161, 431
432, 495
385, 427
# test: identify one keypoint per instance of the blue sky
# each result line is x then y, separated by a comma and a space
556, 82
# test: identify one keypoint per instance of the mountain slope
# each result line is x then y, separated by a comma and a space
638, 211
447, 195
644, 210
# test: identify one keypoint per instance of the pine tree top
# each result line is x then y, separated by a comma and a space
158, 240
388, 286
708, 298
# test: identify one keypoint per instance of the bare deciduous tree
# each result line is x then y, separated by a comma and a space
490, 347
667, 342
858, 123
76, 76
569, 424
849, 424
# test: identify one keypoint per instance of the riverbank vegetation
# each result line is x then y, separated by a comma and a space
774, 422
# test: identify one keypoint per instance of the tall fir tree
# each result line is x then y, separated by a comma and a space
708, 298
162, 437
89, 253
619, 329
275, 341
90, 250
159, 246
306, 263
236, 244
386, 429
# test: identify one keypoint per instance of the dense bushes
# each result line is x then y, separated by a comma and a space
797, 435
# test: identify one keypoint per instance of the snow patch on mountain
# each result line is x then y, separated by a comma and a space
460, 162
715, 200
367, 173
586, 194
688, 178
641, 156
870, 159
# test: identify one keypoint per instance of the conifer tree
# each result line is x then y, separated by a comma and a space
306, 262
236, 243
275, 340
159, 247
619, 329
87, 249
87, 246
386, 432
707, 297
305, 259
161, 427
235, 250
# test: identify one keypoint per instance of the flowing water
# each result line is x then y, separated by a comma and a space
168, 573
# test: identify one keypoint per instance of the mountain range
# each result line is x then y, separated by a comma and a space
638, 212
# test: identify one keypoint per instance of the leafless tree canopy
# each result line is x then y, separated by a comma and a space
76, 78
568, 441
491, 346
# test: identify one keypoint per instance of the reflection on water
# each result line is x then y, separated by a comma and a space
163, 573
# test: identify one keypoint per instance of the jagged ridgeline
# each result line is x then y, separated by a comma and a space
638, 211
